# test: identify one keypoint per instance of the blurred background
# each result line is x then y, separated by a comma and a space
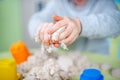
14, 18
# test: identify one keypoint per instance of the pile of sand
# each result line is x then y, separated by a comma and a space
54, 66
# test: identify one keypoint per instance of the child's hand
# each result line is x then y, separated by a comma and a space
42, 33
72, 31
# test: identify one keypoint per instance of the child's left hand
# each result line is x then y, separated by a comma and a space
72, 31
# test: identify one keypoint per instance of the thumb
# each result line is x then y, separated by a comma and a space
57, 18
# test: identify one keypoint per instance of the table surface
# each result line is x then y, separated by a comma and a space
94, 58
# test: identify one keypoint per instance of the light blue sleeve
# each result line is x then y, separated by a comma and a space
40, 17
104, 24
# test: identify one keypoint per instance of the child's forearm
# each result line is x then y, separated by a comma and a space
100, 26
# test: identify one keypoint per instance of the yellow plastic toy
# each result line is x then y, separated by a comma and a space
8, 69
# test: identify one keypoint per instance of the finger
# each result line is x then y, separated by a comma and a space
55, 42
46, 35
66, 33
58, 25
57, 18
42, 31
57, 45
38, 30
37, 34
71, 38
